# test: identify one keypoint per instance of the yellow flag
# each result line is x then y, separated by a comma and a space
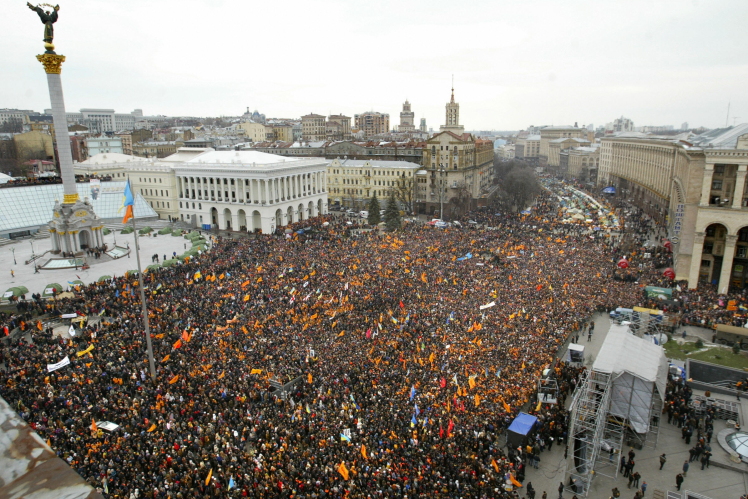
259, 279
256, 371
471, 382
246, 297
537, 409
310, 378
210, 474
84, 352
341, 334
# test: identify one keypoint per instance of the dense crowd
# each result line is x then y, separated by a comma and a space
408, 361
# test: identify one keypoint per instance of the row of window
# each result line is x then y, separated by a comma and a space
161, 204
146, 192
149, 180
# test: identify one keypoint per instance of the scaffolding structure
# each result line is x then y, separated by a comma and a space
644, 321
589, 411
600, 426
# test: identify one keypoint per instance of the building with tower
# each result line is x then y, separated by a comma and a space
452, 122
407, 119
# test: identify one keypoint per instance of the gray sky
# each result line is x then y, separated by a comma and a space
515, 63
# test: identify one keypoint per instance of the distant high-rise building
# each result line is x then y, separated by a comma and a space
423, 125
372, 123
684, 126
619, 125
407, 119
344, 132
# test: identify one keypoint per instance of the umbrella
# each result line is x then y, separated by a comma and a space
170, 262
145, 230
165, 230
127, 230
669, 273
623, 263
104, 278
668, 245
107, 231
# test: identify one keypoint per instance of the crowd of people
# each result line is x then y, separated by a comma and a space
403, 359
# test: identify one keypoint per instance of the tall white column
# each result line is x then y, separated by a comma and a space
267, 198
706, 185
737, 200
726, 272
698, 247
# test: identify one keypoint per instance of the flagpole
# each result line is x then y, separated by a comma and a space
149, 348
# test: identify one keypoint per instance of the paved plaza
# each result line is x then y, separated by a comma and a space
23, 275
714, 482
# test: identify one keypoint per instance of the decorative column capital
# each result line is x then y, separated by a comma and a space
731, 239
52, 62
698, 237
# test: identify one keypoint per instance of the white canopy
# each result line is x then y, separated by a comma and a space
639, 369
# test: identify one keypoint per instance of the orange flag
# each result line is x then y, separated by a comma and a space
245, 330
363, 451
341, 334
153, 427
165, 359
495, 466
245, 284
174, 379
310, 378
222, 375
185, 336
256, 371
507, 408
210, 474
246, 297
178, 344
471, 382
93, 425
342, 470
477, 400
514, 481
39, 325
423, 277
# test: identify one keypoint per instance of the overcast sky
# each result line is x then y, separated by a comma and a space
515, 63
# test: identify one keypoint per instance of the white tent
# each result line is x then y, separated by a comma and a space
639, 371
4, 179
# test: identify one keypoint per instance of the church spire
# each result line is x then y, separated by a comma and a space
452, 101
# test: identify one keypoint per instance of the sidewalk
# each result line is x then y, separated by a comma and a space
714, 482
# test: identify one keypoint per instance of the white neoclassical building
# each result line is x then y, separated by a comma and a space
249, 190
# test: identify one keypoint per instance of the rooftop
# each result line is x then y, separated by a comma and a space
720, 138
109, 158
376, 163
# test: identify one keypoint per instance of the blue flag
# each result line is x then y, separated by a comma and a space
231, 483
418, 411
412, 392
413, 421
117, 294
426, 421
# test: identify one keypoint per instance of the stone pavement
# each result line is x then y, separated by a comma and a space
713, 482
25, 276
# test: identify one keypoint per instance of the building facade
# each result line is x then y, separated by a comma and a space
528, 149
104, 144
549, 133
699, 189
372, 123
313, 127
452, 121
126, 139
250, 190
255, 132
352, 183
156, 148
580, 163
345, 125
407, 119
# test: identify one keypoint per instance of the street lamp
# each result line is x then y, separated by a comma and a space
13, 250
442, 173
33, 257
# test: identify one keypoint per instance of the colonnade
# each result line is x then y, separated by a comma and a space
251, 190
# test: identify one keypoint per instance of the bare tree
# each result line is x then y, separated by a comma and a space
405, 192
12, 125
461, 200
520, 187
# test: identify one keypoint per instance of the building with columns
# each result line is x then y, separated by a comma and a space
249, 190
699, 188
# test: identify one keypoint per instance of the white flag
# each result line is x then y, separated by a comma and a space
71, 331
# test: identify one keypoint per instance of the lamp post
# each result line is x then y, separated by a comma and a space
33, 258
442, 172
13, 250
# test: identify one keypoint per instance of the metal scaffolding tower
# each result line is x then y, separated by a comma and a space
589, 411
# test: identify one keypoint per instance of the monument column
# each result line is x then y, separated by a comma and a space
53, 67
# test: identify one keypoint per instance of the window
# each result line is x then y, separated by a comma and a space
706, 263
708, 247
741, 251
717, 185
199, 206
167, 204
719, 169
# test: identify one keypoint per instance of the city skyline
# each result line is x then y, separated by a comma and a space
616, 59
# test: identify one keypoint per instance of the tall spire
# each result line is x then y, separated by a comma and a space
453, 90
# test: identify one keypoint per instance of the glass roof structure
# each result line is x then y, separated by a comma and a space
25, 208
739, 443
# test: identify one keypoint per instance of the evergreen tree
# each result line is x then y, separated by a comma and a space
392, 213
374, 217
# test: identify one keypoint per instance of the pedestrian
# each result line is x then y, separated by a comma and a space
663, 460
560, 490
623, 464
631, 480
685, 468
636, 476
644, 488
12, 274
678, 480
